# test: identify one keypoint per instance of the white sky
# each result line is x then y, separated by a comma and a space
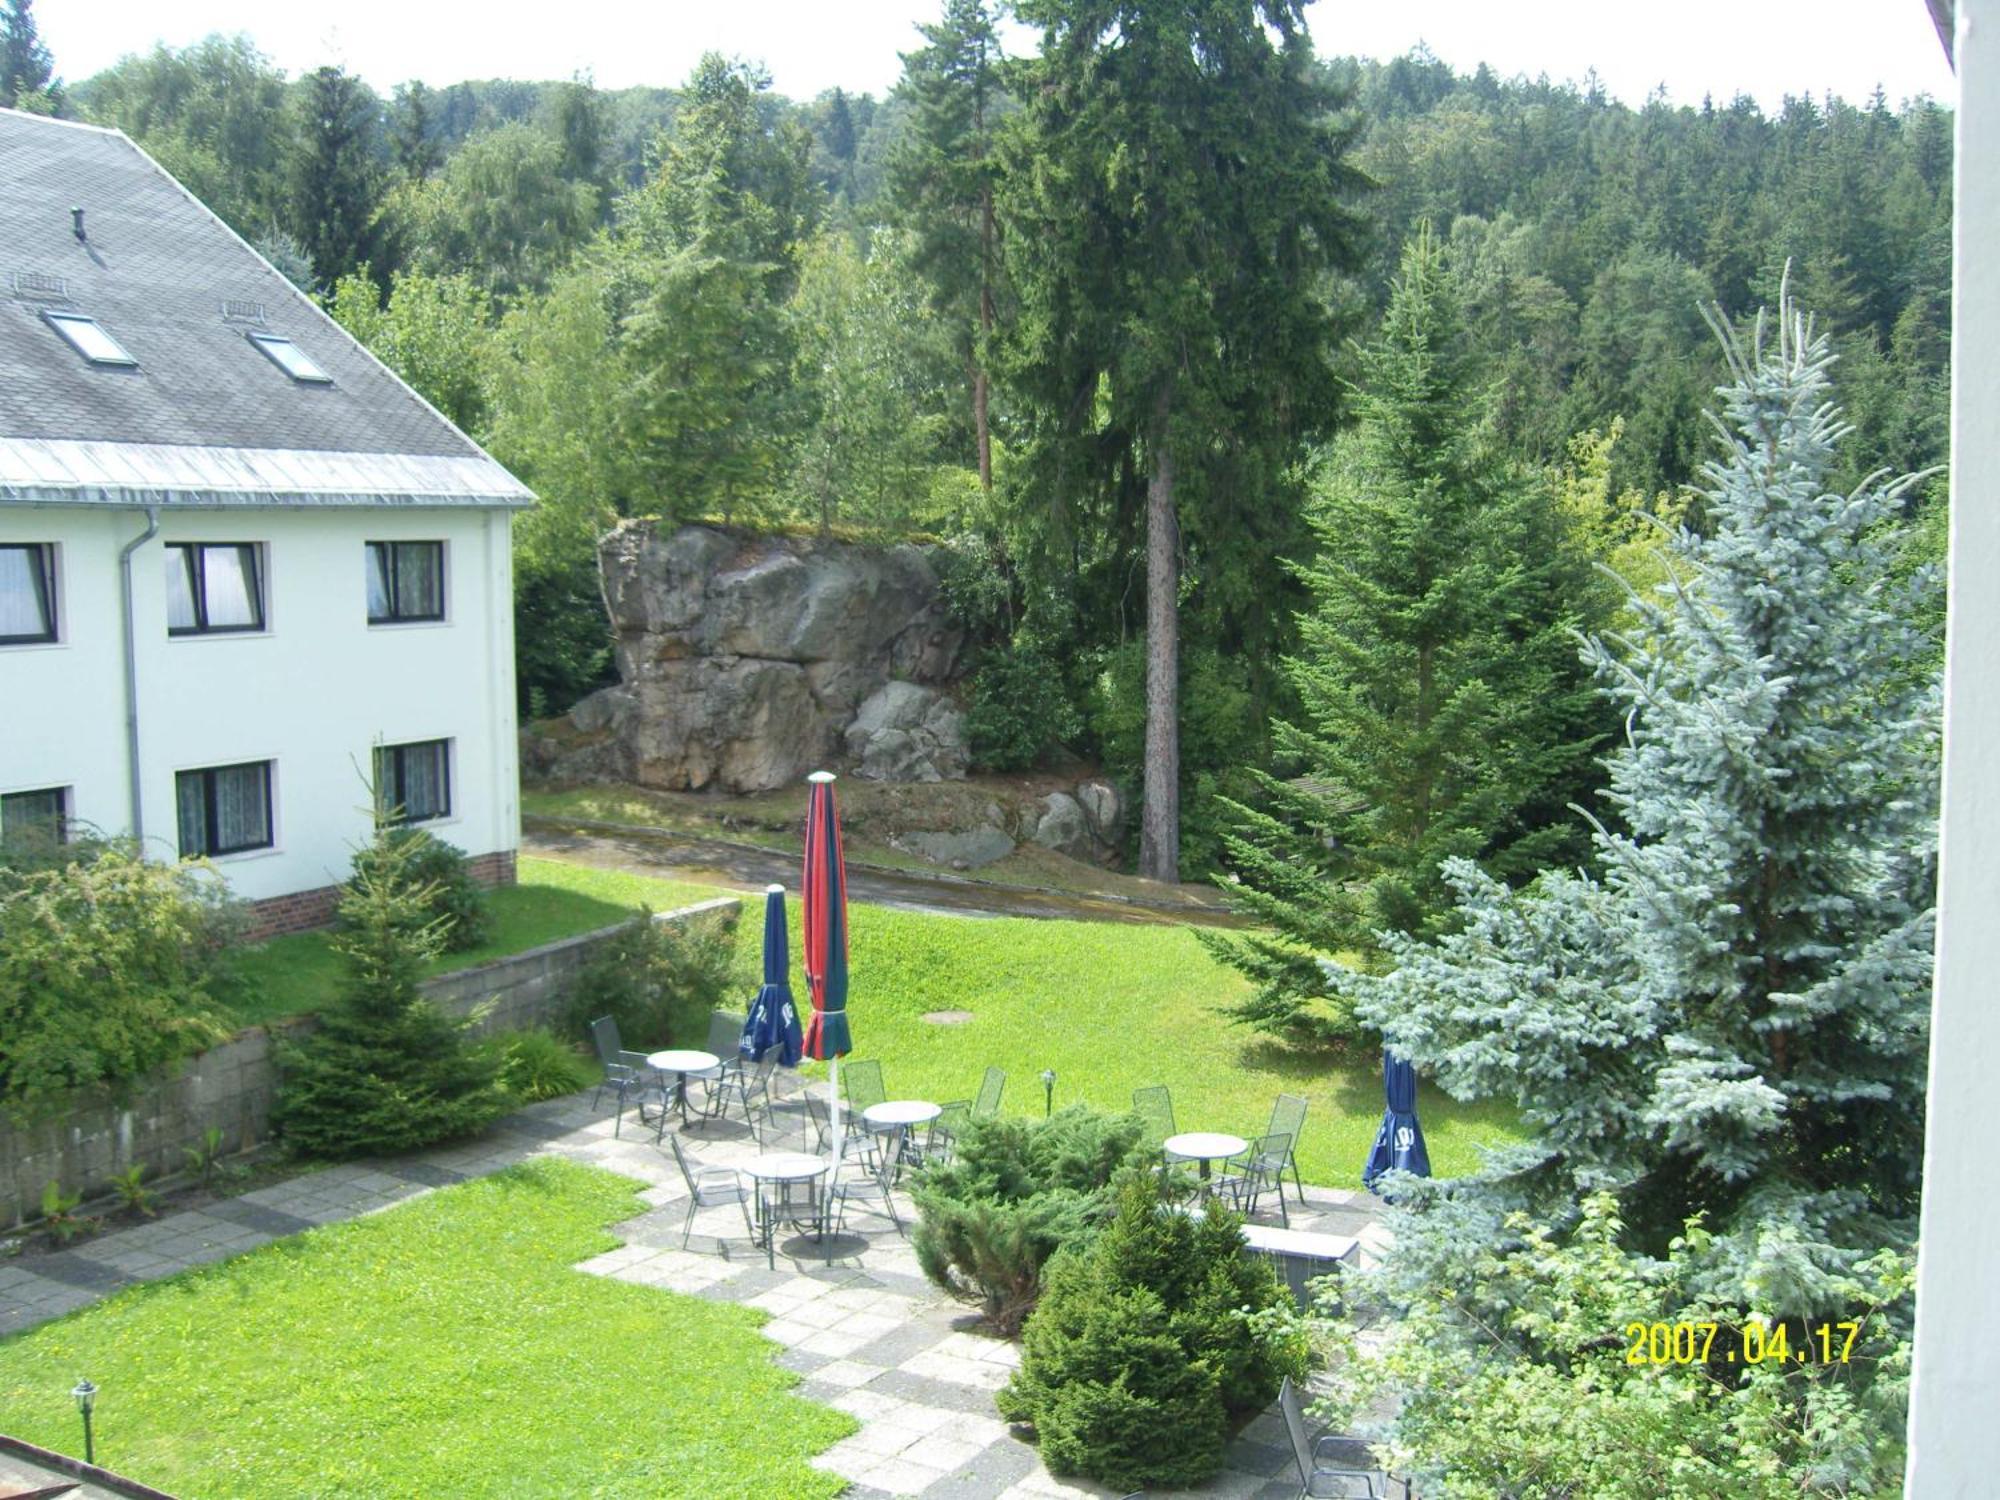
1766, 48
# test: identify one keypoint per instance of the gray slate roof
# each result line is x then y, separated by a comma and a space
178, 289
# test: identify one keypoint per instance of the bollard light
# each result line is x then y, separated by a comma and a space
86, 1397
1048, 1092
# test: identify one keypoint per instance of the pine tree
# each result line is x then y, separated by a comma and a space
1174, 195
413, 130
27, 70
1445, 710
336, 185
941, 181
1732, 1020
386, 1070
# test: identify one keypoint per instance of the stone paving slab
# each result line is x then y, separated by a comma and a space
855, 1318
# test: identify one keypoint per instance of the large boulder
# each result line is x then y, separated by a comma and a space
1063, 828
745, 661
905, 732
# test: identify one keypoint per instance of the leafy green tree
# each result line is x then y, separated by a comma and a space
577, 113
432, 331
413, 130
215, 115
1445, 711
503, 211
941, 183
27, 70
866, 360
1513, 1377
1731, 1021
1173, 193
336, 176
709, 254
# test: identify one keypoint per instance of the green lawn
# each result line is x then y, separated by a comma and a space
297, 975
445, 1347
1111, 1007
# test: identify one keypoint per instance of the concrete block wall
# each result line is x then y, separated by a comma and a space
232, 1086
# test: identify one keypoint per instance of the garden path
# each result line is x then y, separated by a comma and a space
866, 1331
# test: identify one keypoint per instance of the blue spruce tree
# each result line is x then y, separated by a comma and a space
1732, 1019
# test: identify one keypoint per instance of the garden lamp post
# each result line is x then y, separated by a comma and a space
1048, 1092
86, 1397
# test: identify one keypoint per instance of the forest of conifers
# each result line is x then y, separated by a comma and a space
708, 300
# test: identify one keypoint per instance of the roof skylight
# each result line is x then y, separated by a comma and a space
290, 358
88, 339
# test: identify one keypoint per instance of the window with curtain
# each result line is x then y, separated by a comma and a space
405, 582
413, 782
224, 809
27, 593
213, 587
35, 816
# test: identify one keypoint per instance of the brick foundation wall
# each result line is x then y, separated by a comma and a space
302, 911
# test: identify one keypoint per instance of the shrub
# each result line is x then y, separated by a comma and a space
386, 1071
1147, 1342
110, 967
1019, 709
423, 860
1016, 1192
658, 980
537, 1064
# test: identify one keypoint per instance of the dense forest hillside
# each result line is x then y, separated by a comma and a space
706, 299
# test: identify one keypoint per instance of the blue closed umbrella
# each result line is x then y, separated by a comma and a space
773, 1022
1399, 1144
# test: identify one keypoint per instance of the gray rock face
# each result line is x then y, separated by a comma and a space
1063, 827
746, 661
908, 733
1104, 809
961, 851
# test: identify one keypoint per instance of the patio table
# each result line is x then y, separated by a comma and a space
896, 1116
776, 1174
681, 1062
1204, 1147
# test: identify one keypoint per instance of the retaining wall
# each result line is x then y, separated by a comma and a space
231, 1087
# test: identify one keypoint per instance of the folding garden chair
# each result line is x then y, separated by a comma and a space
941, 1139
987, 1104
869, 1184
862, 1083
1258, 1170
1156, 1107
624, 1071
853, 1141
710, 1187
725, 1033
1288, 1118
1331, 1467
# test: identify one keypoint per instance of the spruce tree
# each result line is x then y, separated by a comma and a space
336, 181
386, 1070
27, 71
1732, 1019
1444, 710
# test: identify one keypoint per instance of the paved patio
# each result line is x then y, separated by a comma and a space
866, 1331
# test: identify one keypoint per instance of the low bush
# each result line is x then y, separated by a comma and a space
1020, 708
1149, 1342
455, 900
1015, 1193
110, 967
386, 1071
658, 980
537, 1064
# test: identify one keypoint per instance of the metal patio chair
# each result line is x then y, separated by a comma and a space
991, 1086
854, 1141
1260, 1169
1156, 1107
731, 1076
1288, 1118
1331, 1467
710, 1187
867, 1184
626, 1072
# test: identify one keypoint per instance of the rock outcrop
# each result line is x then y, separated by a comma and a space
747, 661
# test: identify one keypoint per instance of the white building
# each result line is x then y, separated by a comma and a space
248, 578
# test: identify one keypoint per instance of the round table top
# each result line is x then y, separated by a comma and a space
901, 1112
1206, 1145
783, 1166
683, 1060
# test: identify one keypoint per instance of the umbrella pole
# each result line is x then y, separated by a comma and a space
833, 1108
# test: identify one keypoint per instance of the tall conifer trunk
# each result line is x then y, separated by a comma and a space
1160, 827
979, 382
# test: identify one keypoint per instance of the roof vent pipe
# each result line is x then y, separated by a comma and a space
76, 221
